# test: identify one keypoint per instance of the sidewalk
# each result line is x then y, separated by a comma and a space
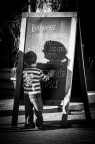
50, 113
77, 132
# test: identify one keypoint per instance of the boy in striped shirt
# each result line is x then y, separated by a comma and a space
32, 90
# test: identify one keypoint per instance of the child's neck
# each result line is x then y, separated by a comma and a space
34, 65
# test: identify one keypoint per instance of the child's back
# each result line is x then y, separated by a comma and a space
32, 78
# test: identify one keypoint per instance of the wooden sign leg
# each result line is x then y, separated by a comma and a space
19, 72
82, 75
66, 99
65, 111
17, 90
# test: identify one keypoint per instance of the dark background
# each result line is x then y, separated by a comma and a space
86, 11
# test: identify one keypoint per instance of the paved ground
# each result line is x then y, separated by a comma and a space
77, 131
50, 136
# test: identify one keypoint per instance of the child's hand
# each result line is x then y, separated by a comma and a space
51, 73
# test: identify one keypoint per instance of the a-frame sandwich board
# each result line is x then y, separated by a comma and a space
79, 56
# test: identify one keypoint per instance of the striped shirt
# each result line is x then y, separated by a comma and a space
32, 77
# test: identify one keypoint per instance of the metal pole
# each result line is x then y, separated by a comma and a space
29, 6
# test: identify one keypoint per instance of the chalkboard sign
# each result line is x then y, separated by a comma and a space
52, 37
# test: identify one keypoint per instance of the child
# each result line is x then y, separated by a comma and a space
32, 90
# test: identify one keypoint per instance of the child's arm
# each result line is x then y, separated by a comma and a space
46, 77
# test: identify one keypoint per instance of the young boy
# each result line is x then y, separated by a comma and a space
32, 90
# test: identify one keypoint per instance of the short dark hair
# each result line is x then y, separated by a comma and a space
30, 58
